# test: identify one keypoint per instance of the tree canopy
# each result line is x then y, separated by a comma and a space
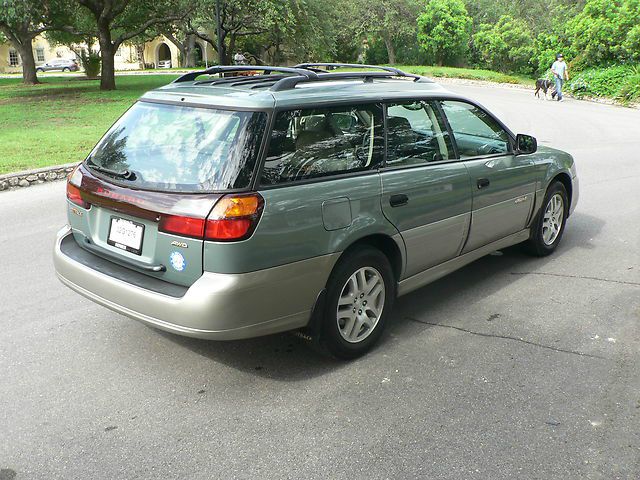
444, 30
518, 36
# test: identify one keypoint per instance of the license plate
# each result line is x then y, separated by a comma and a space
126, 235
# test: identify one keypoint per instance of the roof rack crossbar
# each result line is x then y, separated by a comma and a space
189, 77
239, 79
396, 71
287, 83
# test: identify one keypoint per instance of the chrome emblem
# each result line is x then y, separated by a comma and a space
521, 199
175, 243
76, 211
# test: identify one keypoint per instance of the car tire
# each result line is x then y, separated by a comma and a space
39, 70
66, 69
548, 226
360, 294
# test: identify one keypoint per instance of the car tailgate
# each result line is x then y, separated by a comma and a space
122, 225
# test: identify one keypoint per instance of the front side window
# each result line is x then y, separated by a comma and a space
476, 133
14, 59
171, 147
416, 134
320, 142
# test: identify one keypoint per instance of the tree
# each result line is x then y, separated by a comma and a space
240, 19
629, 31
184, 41
386, 19
594, 32
114, 22
506, 46
20, 22
444, 29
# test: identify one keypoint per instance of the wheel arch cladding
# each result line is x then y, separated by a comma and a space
565, 179
384, 244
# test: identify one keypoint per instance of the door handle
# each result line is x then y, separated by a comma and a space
398, 200
483, 182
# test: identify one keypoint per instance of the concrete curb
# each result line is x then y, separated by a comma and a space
26, 178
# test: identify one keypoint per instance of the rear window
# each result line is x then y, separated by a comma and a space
169, 147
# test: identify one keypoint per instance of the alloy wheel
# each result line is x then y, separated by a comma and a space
360, 305
552, 220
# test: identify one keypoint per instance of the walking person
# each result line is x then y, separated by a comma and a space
560, 72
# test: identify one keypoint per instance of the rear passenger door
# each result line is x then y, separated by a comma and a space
320, 184
426, 192
503, 183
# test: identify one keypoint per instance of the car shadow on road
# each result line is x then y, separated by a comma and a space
288, 358
282, 357
489, 275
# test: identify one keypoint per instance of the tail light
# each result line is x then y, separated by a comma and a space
73, 192
233, 218
184, 226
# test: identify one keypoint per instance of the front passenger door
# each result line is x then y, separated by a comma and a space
503, 183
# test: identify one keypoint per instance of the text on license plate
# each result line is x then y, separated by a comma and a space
126, 235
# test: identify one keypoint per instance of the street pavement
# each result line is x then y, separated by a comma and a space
513, 367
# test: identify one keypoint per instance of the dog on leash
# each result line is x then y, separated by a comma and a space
544, 85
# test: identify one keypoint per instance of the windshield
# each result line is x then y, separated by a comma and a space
170, 147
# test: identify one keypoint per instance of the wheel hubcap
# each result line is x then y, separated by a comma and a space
552, 220
360, 305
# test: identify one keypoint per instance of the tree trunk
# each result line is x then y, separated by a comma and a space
21, 41
228, 54
390, 50
29, 76
189, 48
107, 53
140, 52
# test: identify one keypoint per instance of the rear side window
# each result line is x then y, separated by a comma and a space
475, 131
416, 134
172, 147
321, 142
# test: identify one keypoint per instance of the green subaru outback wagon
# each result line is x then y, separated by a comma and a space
234, 203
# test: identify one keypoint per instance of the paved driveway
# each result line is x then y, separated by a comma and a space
510, 368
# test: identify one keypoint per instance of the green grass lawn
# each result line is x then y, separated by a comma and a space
467, 73
61, 120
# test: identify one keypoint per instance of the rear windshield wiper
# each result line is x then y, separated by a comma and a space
125, 174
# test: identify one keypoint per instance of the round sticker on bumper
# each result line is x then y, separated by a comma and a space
177, 261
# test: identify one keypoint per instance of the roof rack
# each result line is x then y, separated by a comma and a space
189, 77
292, 76
312, 67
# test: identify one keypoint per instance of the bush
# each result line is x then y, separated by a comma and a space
621, 82
90, 62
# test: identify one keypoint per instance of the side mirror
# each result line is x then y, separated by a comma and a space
525, 144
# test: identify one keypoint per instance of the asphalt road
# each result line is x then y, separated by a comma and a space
512, 367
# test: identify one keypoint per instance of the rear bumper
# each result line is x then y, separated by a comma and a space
216, 306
